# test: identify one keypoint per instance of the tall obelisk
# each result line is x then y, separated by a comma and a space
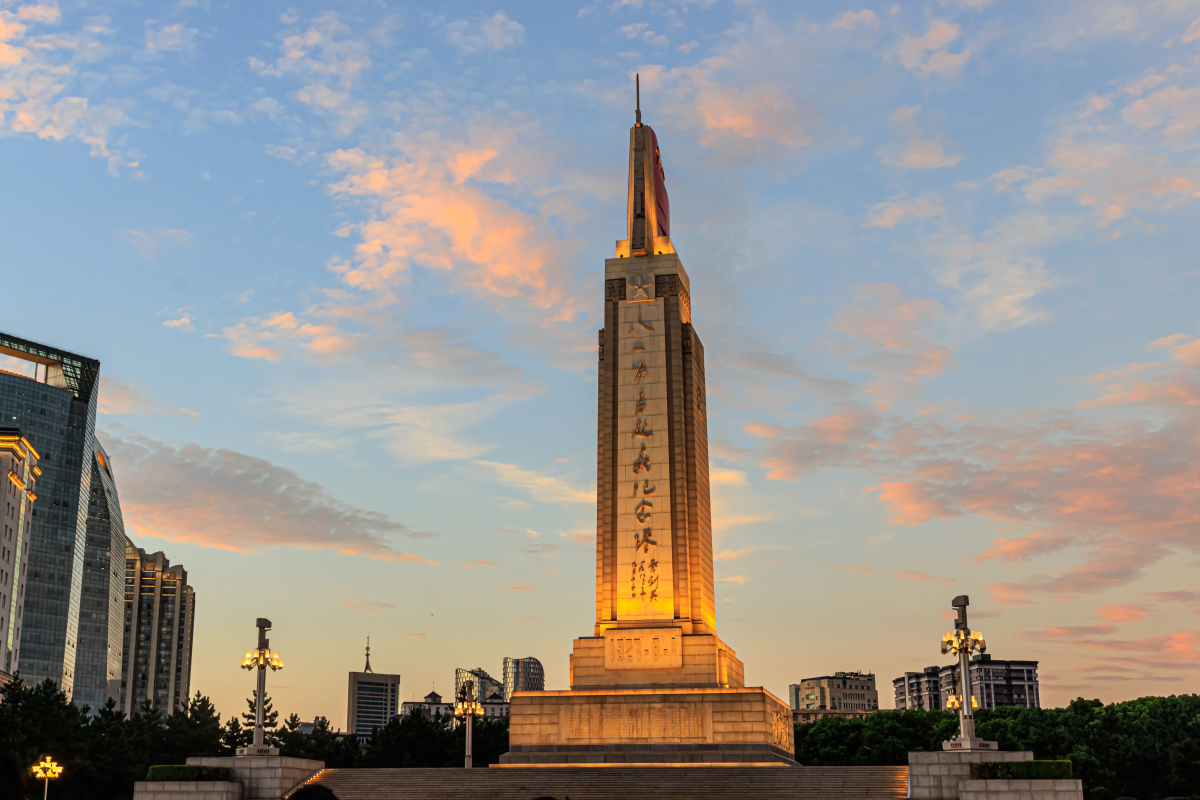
654, 562
653, 683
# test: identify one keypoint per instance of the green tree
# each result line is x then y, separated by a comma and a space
116, 760
233, 736
194, 731
42, 722
270, 717
413, 741
323, 744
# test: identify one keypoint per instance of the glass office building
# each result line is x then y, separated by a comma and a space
523, 675
483, 685
101, 608
54, 405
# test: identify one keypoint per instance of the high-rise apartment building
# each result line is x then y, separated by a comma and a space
19, 474
523, 675
160, 612
841, 691
483, 685
372, 699
994, 684
102, 604
54, 405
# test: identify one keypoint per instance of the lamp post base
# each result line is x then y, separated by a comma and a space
970, 744
257, 750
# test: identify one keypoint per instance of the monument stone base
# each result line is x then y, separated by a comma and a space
939, 776
265, 776
660, 726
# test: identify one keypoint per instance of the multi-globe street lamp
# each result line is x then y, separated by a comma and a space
466, 708
963, 641
47, 769
260, 658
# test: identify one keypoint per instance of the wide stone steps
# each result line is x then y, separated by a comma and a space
619, 783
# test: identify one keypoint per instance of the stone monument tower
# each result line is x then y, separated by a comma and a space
653, 683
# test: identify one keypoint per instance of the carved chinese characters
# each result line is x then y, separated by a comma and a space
644, 564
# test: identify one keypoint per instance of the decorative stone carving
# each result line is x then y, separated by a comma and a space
614, 290
628, 723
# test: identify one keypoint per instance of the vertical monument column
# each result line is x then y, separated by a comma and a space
654, 532
653, 683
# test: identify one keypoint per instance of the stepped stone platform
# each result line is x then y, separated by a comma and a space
619, 783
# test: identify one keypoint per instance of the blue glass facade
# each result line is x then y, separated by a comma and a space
57, 411
102, 612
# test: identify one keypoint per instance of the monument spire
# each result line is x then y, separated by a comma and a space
648, 213
637, 87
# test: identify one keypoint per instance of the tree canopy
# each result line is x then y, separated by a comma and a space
1147, 748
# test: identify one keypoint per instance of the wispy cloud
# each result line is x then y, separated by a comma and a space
369, 606
232, 501
120, 398
929, 53
542, 488
478, 562
150, 242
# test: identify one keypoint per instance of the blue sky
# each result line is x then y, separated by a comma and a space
342, 268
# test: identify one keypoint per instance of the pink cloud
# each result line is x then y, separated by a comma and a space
1009, 595
478, 562
1122, 613
520, 587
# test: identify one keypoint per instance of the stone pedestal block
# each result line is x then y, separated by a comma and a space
649, 726
643, 658
265, 777
937, 776
187, 790
1022, 790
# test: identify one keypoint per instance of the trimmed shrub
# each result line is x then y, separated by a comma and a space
1021, 770
188, 772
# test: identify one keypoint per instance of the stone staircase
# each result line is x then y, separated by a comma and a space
619, 783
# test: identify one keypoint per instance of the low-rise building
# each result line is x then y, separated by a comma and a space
994, 684
841, 691
919, 690
804, 716
428, 708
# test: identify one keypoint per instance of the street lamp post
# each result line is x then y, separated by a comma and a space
261, 658
47, 769
467, 708
963, 641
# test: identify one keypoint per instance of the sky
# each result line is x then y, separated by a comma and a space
342, 265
